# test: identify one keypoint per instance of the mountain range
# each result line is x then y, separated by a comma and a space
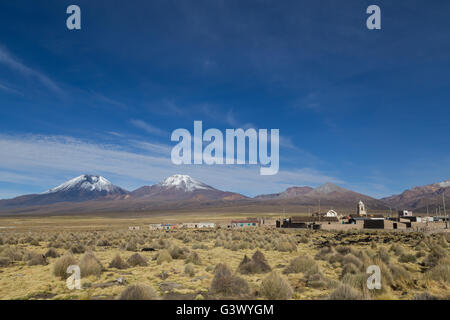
93, 193
422, 198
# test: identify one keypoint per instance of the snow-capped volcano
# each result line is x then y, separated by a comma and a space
82, 188
184, 182
182, 187
87, 183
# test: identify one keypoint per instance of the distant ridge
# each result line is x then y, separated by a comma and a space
288, 193
88, 194
329, 195
421, 198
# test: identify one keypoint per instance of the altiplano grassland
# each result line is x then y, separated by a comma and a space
253, 263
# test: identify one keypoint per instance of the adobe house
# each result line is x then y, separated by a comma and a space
313, 222
267, 222
168, 226
374, 223
188, 225
381, 223
206, 225
155, 226
244, 223
404, 213
395, 225
198, 225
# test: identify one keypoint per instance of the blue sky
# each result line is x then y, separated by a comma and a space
365, 109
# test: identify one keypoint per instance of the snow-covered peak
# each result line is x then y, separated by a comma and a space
86, 183
328, 188
444, 184
184, 182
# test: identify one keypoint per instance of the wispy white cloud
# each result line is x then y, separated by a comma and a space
47, 157
116, 134
13, 63
10, 90
104, 99
152, 147
148, 128
230, 119
167, 107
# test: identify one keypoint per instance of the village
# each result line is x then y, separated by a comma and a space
330, 220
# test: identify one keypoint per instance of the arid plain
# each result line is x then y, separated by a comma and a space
250, 263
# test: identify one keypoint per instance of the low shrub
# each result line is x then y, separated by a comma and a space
440, 272
178, 253
138, 292
103, 243
194, 258
61, 264
189, 270
435, 256
325, 253
137, 260
51, 253
90, 265
36, 259
118, 263
383, 254
286, 246
302, 264
77, 248
275, 287
226, 283
13, 253
346, 292
131, 246
4, 261
405, 258
352, 259
397, 249
163, 256
258, 264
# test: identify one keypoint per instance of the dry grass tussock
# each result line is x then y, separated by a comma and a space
138, 292
226, 283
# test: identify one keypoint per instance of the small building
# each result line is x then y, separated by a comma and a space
267, 222
161, 226
375, 223
331, 213
388, 224
169, 226
188, 225
206, 225
394, 225
155, 226
134, 228
405, 213
305, 222
244, 223
198, 225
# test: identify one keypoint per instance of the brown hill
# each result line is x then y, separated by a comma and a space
420, 198
288, 193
